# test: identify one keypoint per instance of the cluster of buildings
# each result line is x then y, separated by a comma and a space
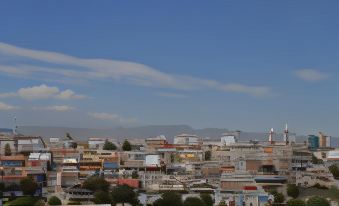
234, 171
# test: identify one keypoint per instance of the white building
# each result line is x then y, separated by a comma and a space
187, 139
228, 139
96, 143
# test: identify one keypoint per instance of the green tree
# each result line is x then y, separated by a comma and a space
222, 203
193, 201
102, 197
292, 190
96, 183
208, 155
172, 158
124, 194
296, 202
317, 201
54, 201
126, 146
334, 170
169, 199
278, 197
8, 151
207, 199
109, 145
135, 174
28, 186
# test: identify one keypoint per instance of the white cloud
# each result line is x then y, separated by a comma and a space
69, 94
42, 92
111, 117
59, 108
4, 106
99, 69
38, 92
170, 95
311, 75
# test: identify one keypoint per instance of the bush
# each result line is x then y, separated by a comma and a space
207, 199
28, 186
292, 190
135, 174
296, 202
317, 201
222, 203
54, 201
23, 201
278, 197
102, 197
124, 194
96, 183
193, 201
334, 170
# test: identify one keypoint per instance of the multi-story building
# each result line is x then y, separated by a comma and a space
187, 139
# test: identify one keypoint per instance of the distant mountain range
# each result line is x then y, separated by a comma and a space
147, 131
5, 130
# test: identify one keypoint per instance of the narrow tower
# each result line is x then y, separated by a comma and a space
270, 137
286, 140
15, 127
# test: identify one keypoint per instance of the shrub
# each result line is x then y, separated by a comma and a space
296, 202
207, 199
292, 190
193, 201
96, 183
102, 197
317, 201
23, 201
54, 201
28, 186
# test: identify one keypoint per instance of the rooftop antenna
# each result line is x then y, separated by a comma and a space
270, 137
15, 127
286, 134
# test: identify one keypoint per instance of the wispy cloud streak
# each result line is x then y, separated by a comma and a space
96, 69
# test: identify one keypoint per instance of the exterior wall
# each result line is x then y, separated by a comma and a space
220, 156
130, 182
210, 171
253, 165
234, 185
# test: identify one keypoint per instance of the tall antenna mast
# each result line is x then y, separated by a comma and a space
270, 137
15, 127
286, 134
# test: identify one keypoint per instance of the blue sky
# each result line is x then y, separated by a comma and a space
248, 65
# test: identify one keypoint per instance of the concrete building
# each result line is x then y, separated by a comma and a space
187, 139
